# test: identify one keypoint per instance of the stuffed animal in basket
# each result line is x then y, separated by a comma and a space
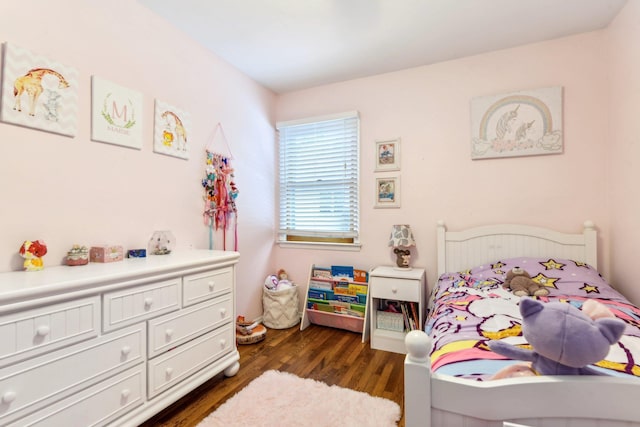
521, 284
32, 252
283, 280
564, 339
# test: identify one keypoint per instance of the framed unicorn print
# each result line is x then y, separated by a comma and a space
38, 92
171, 130
526, 123
116, 114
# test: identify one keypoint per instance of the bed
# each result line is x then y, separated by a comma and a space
448, 380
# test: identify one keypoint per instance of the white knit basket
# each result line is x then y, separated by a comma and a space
280, 308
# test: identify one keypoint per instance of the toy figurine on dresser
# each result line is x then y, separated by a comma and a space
32, 252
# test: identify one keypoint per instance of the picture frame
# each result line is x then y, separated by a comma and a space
172, 127
116, 114
525, 123
387, 155
39, 92
387, 191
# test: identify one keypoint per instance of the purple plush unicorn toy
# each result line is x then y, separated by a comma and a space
564, 339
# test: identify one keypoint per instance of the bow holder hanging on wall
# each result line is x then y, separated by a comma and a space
220, 189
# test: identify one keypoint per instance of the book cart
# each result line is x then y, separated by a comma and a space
337, 297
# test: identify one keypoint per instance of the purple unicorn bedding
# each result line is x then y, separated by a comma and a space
471, 308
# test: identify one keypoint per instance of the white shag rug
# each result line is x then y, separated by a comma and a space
282, 399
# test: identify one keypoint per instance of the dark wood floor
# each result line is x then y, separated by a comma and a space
326, 354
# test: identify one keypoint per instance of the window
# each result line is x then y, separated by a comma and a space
319, 171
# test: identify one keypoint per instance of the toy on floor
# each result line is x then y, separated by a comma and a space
248, 332
32, 252
521, 284
564, 339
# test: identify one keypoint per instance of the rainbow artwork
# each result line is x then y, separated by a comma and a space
517, 124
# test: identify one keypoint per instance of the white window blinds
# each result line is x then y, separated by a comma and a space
319, 172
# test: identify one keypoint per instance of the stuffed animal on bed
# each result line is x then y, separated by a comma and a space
564, 339
521, 284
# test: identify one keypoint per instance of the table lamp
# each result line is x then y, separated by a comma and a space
401, 240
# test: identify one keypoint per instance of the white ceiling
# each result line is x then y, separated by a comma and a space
288, 45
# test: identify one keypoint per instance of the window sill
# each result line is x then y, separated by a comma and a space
351, 247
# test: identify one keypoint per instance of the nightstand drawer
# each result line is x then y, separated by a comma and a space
396, 289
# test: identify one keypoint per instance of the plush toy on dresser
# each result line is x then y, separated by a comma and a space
32, 252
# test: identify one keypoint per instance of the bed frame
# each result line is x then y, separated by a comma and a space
546, 401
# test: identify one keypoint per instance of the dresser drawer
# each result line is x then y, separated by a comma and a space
44, 329
204, 286
96, 406
33, 384
396, 289
176, 328
170, 368
129, 306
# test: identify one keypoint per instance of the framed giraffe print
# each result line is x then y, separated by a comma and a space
38, 92
527, 123
116, 114
171, 130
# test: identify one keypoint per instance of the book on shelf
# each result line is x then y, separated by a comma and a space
360, 276
407, 321
342, 271
320, 294
343, 290
320, 284
353, 299
414, 312
320, 272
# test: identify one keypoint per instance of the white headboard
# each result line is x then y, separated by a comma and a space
460, 250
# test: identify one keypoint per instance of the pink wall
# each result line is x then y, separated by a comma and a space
73, 190
428, 108
624, 148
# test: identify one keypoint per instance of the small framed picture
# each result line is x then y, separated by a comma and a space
388, 155
388, 192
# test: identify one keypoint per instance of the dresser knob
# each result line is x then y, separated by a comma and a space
168, 372
212, 285
223, 343
125, 350
394, 290
9, 397
125, 393
223, 312
169, 333
43, 330
148, 302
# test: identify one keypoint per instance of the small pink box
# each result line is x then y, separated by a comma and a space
106, 253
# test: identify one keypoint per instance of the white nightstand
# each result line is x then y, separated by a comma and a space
392, 283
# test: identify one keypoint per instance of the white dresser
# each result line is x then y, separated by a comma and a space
114, 343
